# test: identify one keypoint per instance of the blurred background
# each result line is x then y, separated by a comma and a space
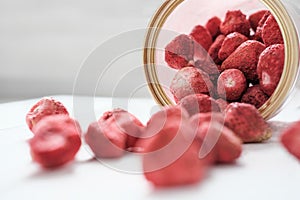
43, 43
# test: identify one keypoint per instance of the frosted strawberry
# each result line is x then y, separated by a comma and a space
230, 43
44, 107
114, 133
215, 47
172, 156
196, 103
245, 58
219, 142
246, 122
56, 141
179, 52
190, 80
231, 84
270, 67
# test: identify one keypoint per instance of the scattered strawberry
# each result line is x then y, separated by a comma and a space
218, 140
44, 107
199, 103
246, 122
114, 133
213, 26
190, 80
290, 138
270, 67
172, 153
235, 21
231, 42
245, 58
169, 116
179, 52
56, 141
255, 96
231, 84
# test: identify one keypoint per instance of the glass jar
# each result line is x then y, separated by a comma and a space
180, 16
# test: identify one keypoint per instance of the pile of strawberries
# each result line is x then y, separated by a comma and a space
239, 59
177, 146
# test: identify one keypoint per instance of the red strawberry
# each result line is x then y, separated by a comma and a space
246, 122
190, 80
218, 139
56, 141
44, 107
230, 43
196, 103
255, 96
245, 58
171, 154
115, 132
235, 21
290, 138
271, 33
168, 116
231, 84
254, 18
201, 36
270, 67
213, 26
215, 47
179, 52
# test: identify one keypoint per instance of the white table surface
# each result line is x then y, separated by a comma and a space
264, 171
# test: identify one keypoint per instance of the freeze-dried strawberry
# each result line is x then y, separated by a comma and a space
245, 58
260, 25
222, 104
235, 21
231, 42
217, 139
271, 33
179, 52
56, 141
169, 116
290, 138
255, 96
246, 122
269, 68
115, 132
254, 18
201, 36
172, 153
231, 84
215, 47
213, 26
190, 80
199, 103
44, 107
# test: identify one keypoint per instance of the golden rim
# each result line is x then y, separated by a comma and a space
291, 65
